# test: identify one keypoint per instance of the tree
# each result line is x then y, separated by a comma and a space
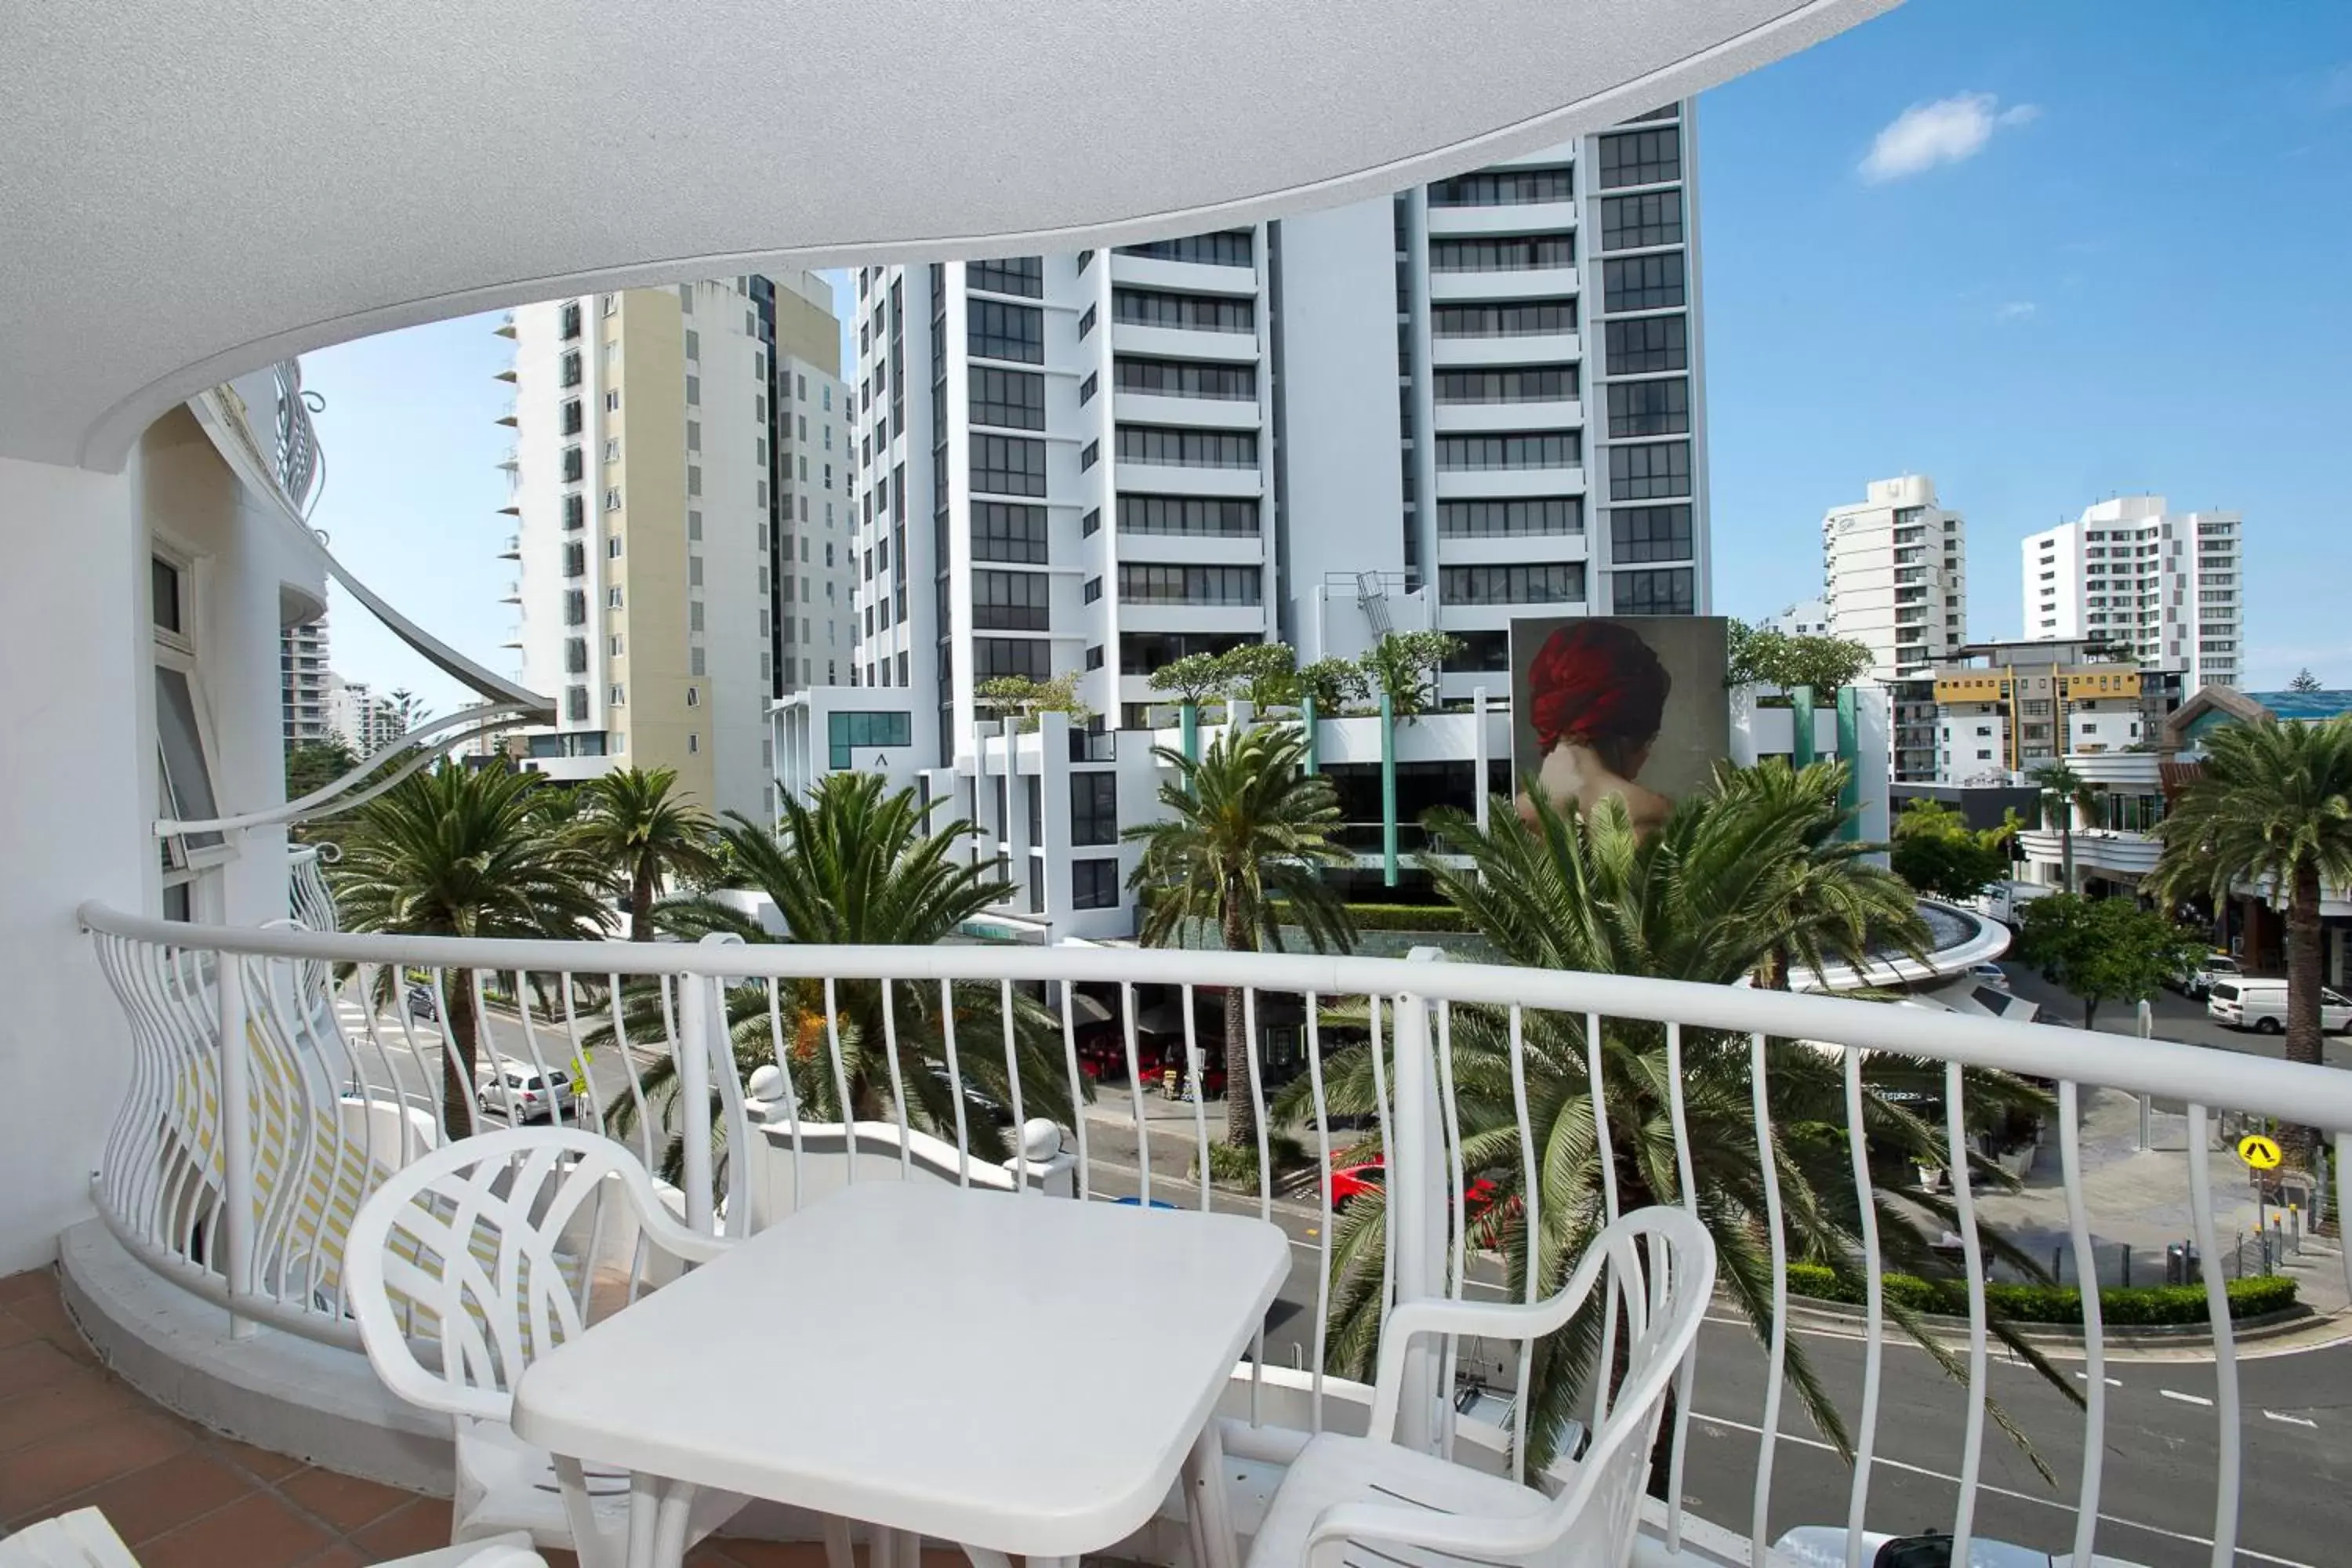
2104, 949
2064, 793
1404, 664
1332, 683
1265, 673
404, 710
1834, 900
1940, 855
2272, 805
463, 852
2303, 680
314, 764
1760, 656
856, 864
1242, 845
1704, 898
639, 824
1193, 679
1026, 696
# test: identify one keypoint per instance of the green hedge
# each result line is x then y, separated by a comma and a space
1401, 917
2137, 1306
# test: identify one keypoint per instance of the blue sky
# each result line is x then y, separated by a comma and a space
2044, 252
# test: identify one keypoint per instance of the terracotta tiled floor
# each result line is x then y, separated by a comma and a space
72, 1434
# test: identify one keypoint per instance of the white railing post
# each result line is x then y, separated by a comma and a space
693, 1103
1416, 1177
236, 1063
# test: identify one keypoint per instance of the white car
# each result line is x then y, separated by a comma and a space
1824, 1546
521, 1092
2259, 1003
1989, 974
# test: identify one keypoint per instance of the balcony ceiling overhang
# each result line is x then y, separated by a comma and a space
191, 191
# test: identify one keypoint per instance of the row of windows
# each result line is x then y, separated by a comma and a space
1519, 383
1650, 534
1196, 313
1149, 584
1641, 158
1639, 473
1094, 809
1644, 282
1637, 222
847, 731
1227, 247
1187, 448
1548, 583
1649, 407
1004, 530
993, 657
1531, 319
1654, 344
1011, 601
1513, 253
1007, 464
1504, 518
1505, 187
1228, 516
1023, 274
1534, 450
1012, 398
996, 330
1186, 378
1667, 593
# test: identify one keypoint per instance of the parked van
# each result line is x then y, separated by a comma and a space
2246, 1003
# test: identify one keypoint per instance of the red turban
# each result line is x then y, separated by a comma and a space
1595, 681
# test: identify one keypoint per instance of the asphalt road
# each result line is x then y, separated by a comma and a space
2176, 1018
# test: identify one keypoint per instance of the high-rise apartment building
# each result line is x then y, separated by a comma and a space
2168, 585
1895, 568
303, 681
360, 719
681, 480
1479, 400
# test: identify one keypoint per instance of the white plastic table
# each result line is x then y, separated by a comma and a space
1013, 1374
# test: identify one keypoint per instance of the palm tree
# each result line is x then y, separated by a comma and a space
2064, 793
857, 865
1246, 835
464, 852
1834, 900
1707, 896
631, 819
2272, 805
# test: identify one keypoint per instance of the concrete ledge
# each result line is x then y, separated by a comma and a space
276, 1391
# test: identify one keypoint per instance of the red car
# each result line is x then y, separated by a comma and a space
1352, 1182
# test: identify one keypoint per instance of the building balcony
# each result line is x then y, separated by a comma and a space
1517, 217
1465, 484
241, 1317
1539, 348
512, 549
1184, 277
1170, 478
1200, 413
1447, 288
1455, 418
1181, 342
2096, 849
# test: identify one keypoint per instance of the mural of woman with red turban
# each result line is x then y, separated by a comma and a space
1596, 699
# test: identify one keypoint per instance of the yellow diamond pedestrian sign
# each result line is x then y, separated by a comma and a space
2260, 1152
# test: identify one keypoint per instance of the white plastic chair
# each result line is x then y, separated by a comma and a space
84, 1539
480, 1256
1368, 1503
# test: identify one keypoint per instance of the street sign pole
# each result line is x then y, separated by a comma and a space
2147, 1102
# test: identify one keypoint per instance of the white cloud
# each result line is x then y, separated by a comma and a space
2015, 311
1945, 132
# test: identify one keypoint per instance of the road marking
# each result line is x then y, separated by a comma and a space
2292, 1420
2066, 1509
2110, 1382
2184, 1398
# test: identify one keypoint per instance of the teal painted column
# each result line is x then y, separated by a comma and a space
1800, 725
1189, 722
1849, 744
1387, 791
1314, 734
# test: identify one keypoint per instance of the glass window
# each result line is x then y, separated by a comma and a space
1002, 531
1649, 407
1154, 585
1504, 253
993, 657
1188, 448
163, 596
1022, 275
1008, 465
1519, 383
1530, 319
1094, 808
1666, 593
1641, 158
846, 733
1094, 884
187, 777
1638, 473
571, 368
1195, 312
1534, 450
1544, 583
1635, 348
1637, 222
1231, 516
1650, 534
1517, 515
999, 331
1505, 187
1186, 378
1644, 282
1227, 247
1013, 398
1010, 601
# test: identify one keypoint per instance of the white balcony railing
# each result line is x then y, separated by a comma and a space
235, 1172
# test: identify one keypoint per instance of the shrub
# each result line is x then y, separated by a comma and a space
1237, 1166
2137, 1306
1398, 917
